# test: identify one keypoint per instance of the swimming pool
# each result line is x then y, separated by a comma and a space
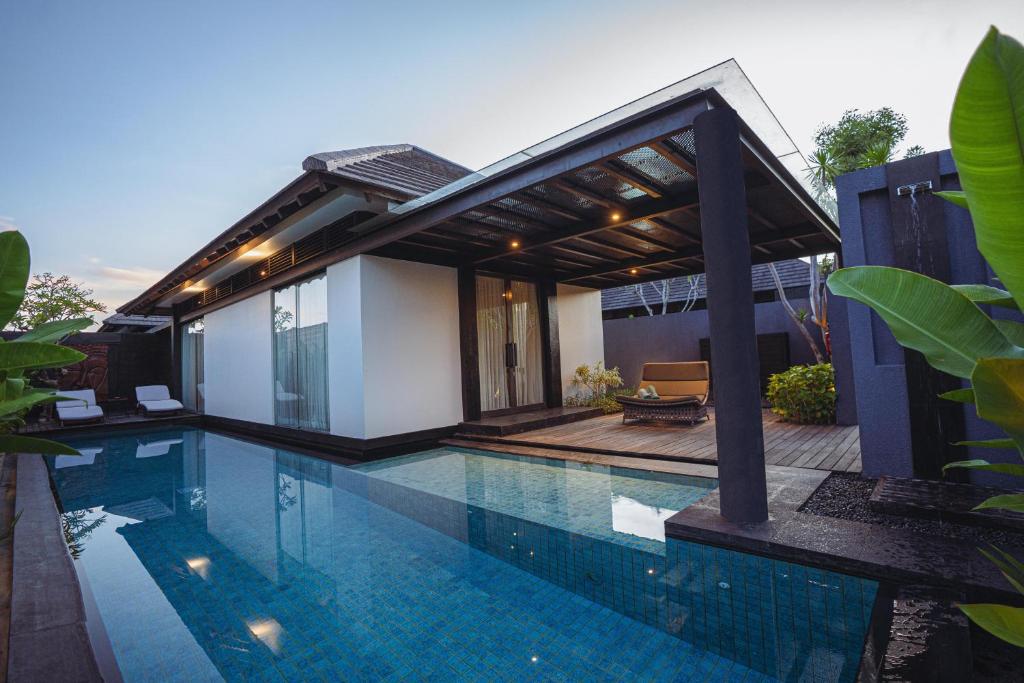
210, 558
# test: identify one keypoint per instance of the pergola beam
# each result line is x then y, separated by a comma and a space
648, 187
644, 211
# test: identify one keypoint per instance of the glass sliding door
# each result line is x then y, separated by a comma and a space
192, 387
300, 355
508, 335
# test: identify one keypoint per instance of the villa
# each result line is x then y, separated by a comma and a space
356, 449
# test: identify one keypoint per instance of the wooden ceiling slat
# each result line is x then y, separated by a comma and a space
674, 156
584, 193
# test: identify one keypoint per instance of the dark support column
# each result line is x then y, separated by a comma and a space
547, 295
468, 344
723, 213
176, 327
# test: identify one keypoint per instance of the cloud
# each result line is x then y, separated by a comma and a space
7, 223
127, 277
112, 285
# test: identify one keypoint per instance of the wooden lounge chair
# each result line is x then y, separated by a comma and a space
79, 407
155, 399
683, 391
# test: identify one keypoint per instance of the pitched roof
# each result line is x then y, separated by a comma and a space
405, 168
792, 273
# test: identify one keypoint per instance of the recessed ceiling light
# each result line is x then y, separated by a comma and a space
514, 244
616, 216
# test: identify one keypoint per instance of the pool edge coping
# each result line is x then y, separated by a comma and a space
46, 598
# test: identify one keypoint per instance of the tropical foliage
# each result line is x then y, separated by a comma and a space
596, 386
33, 350
805, 394
857, 140
50, 297
946, 323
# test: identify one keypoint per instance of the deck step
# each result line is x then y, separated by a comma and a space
517, 423
943, 501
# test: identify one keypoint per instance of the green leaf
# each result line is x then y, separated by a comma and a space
1003, 467
55, 330
1002, 621
1010, 566
14, 271
1007, 501
926, 315
988, 443
37, 355
1013, 331
986, 294
954, 197
14, 443
999, 395
959, 395
987, 135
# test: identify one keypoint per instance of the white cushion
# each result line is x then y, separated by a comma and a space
73, 413
87, 396
87, 457
152, 392
155, 448
163, 406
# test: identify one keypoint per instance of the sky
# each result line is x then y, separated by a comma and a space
132, 133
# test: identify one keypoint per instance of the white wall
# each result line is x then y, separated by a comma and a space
580, 331
238, 360
412, 370
345, 348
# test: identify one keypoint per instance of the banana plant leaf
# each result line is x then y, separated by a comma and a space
986, 294
927, 315
999, 395
959, 395
954, 197
1002, 621
987, 134
55, 330
988, 443
1002, 467
15, 443
1010, 566
1014, 502
1012, 330
37, 355
14, 270
25, 401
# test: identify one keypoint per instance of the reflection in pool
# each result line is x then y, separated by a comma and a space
213, 558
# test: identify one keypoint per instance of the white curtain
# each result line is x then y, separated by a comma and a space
300, 355
526, 335
192, 366
491, 332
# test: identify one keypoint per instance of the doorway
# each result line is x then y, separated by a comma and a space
509, 344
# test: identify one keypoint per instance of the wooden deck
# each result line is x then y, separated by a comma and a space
830, 447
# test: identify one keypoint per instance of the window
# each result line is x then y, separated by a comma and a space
192, 388
300, 355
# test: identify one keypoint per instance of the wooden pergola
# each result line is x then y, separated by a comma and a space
681, 187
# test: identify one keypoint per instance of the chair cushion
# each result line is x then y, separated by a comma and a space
78, 412
152, 392
86, 396
163, 406
678, 379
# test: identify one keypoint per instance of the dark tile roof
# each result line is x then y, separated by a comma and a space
793, 273
405, 168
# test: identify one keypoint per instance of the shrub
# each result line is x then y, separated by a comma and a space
805, 394
599, 386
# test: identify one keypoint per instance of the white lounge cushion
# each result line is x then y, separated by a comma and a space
155, 448
87, 457
152, 392
78, 411
86, 396
164, 406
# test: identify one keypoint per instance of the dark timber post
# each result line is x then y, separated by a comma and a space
723, 218
468, 342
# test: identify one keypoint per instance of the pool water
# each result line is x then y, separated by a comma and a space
213, 558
